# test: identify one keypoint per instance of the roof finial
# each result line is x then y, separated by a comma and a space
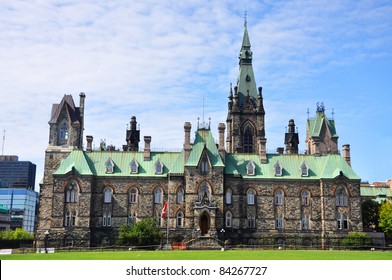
245, 20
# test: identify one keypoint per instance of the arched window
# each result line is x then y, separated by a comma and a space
304, 170
158, 195
279, 221
248, 140
278, 197
251, 221
305, 198
204, 165
133, 195
180, 219
107, 219
229, 219
67, 219
134, 166
278, 170
73, 221
71, 193
109, 166
250, 168
250, 194
341, 197
204, 192
132, 218
229, 195
342, 219
180, 195
107, 195
63, 135
158, 167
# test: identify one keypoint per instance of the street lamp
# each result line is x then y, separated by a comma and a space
223, 238
46, 241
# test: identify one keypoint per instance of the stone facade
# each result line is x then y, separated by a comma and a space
237, 193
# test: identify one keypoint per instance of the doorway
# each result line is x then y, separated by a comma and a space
204, 223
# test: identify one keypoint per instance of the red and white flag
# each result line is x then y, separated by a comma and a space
164, 211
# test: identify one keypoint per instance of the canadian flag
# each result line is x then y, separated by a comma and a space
164, 211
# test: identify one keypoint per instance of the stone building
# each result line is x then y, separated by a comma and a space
237, 192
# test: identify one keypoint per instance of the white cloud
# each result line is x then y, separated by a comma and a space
158, 59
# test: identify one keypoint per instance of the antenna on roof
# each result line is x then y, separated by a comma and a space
308, 112
203, 112
333, 114
2, 149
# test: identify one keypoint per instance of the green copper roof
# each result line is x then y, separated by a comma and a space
378, 193
204, 141
246, 80
94, 163
315, 125
322, 167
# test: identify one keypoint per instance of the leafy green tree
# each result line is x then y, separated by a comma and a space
143, 233
371, 214
17, 234
385, 220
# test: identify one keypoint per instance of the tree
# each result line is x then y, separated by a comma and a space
385, 221
143, 233
17, 234
371, 214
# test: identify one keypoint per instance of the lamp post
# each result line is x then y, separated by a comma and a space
223, 238
46, 241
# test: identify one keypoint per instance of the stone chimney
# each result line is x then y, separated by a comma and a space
81, 110
262, 150
346, 153
221, 148
187, 141
89, 139
147, 150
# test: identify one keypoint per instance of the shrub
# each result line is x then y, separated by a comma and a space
356, 240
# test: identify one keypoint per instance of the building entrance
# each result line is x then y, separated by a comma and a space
204, 224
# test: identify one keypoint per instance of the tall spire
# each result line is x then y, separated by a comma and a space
246, 82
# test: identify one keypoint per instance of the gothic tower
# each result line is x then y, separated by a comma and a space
66, 127
245, 119
321, 136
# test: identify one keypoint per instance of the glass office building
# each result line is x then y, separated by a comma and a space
16, 174
17, 195
23, 206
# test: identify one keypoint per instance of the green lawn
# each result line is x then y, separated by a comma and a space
208, 255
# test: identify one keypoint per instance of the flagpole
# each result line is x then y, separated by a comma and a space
168, 212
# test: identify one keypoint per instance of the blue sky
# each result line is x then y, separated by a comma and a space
158, 60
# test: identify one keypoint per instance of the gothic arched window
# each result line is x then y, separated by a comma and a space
158, 195
250, 194
248, 140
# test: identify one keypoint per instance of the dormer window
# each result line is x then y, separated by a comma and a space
109, 166
304, 170
250, 168
278, 170
158, 167
134, 166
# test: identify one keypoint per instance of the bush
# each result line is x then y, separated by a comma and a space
357, 240
143, 233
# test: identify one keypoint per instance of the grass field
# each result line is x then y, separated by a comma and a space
207, 255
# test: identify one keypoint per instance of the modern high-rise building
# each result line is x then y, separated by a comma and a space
17, 195
16, 174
